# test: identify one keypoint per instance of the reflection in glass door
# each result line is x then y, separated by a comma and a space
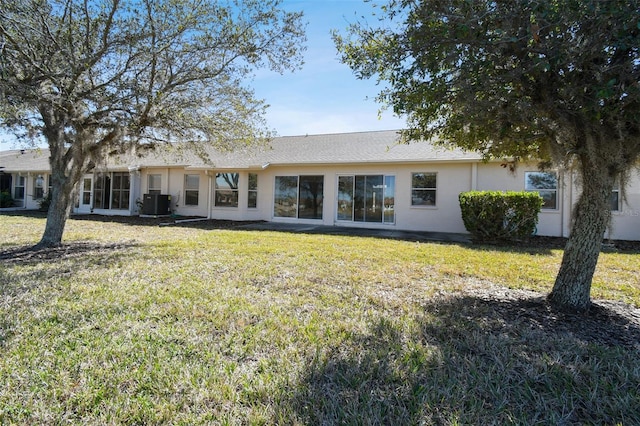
366, 198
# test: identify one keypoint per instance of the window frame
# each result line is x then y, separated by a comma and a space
191, 190
424, 189
227, 193
153, 189
120, 195
38, 190
615, 197
19, 186
87, 192
252, 191
294, 195
352, 199
542, 190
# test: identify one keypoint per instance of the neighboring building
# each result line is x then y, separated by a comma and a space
362, 179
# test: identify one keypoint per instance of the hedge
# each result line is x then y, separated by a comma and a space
498, 216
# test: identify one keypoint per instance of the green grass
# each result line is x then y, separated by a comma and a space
168, 325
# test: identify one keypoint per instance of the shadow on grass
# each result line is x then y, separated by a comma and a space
476, 360
27, 268
66, 251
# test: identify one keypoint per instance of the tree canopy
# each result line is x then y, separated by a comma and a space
556, 81
97, 77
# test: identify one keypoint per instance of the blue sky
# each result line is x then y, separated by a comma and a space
325, 96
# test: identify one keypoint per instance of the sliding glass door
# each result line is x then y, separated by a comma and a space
366, 198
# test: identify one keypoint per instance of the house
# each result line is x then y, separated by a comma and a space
365, 179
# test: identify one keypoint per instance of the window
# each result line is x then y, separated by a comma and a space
368, 198
252, 199
110, 191
615, 197
102, 191
86, 191
154, 184
310, 199
191, 189
546, 184
121, 185
423, 189
226, 189
299, 197
38, 187
18, 190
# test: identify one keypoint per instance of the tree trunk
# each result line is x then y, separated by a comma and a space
67, 166
59, 210
572, 288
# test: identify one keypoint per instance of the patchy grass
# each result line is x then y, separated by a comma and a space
150, 325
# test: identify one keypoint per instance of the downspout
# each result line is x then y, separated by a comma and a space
474, 176
209, 195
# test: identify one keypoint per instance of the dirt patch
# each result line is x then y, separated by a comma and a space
35, 254
506, 310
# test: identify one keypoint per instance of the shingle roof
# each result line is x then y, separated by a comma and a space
24, 160
341, 148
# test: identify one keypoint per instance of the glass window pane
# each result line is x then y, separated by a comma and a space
155, 183
192, 182
226, 198
423, 180
253, 182
226, 186
345, 198
615, 201
115, 199
358, 199
540, 180
97, 198
373, 198
423, 197
549, 198
286, 196
252, 202
389, 199
18, 193
423, 189
227, 180
311, 197
190, 198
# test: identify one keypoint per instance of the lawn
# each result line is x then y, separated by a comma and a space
135, 324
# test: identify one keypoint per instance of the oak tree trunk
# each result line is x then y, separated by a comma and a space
59, 210
67, 166
572, 288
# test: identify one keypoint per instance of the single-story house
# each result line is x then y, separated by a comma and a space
365, 179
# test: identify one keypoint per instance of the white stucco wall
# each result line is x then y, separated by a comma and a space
445, 216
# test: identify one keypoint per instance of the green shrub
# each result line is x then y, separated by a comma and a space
43, 205
498, 216
5, 199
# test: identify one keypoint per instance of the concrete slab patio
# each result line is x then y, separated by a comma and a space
360, 232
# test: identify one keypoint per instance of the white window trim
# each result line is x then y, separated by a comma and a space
556, 190
423, 206
215, 190
186, 188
